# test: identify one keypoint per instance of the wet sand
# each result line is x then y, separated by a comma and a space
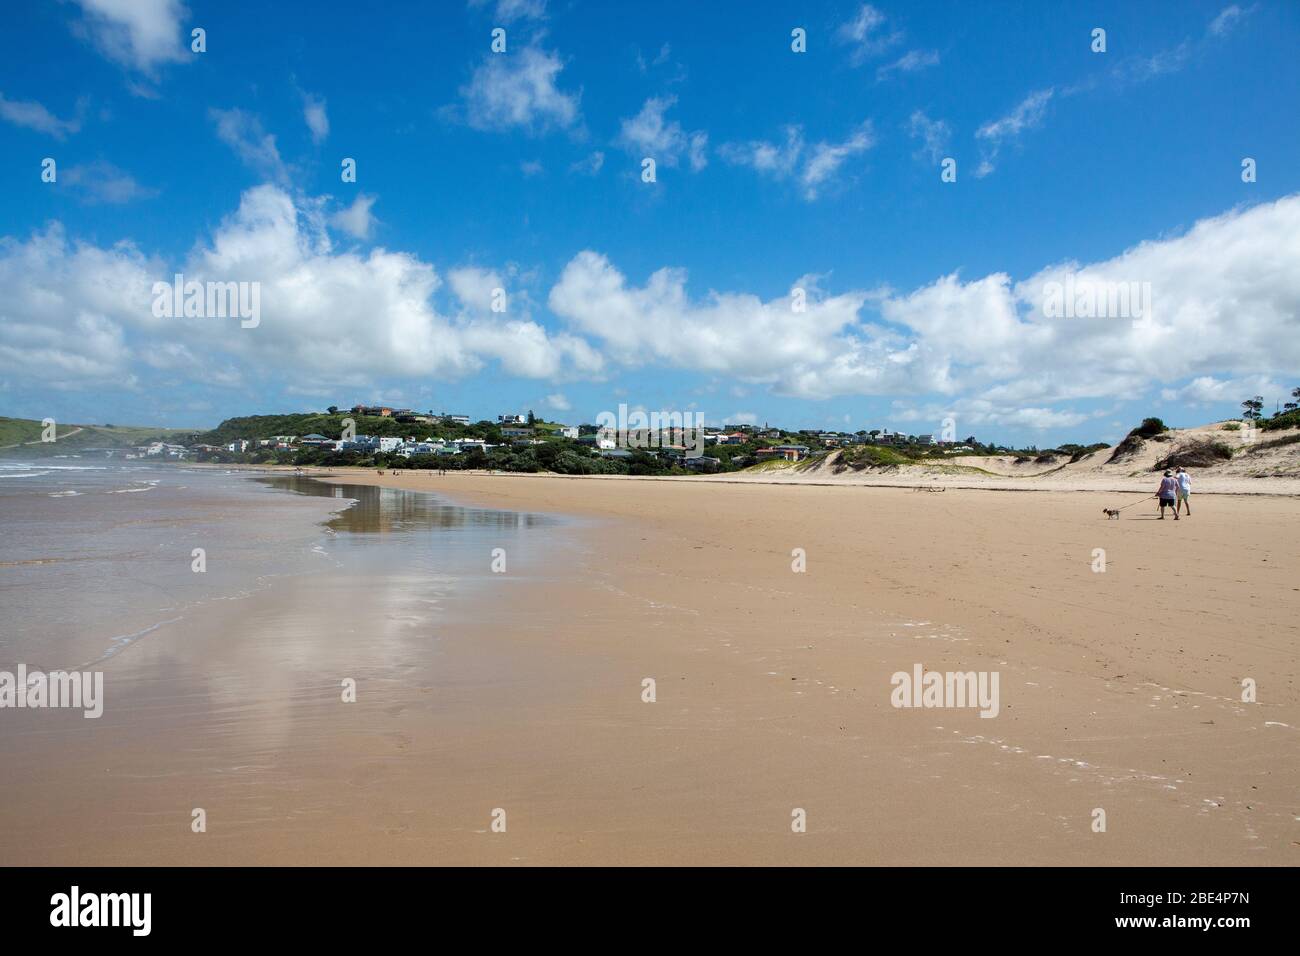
1119, 691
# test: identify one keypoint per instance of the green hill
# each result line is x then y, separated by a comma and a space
21, 437
331, 426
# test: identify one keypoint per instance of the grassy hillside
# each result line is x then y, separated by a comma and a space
331, 426
21, 437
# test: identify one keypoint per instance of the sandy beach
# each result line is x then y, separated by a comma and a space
1120, 691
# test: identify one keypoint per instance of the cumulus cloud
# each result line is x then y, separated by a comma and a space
812, 167
356, 220
79, 315
648, 133
34, 115
1224, 300
518, 89
1207, 390
659, 323
140, 35
66, 306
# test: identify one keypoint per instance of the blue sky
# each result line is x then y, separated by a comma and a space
774, 169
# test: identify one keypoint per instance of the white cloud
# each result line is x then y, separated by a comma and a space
474, 288
648, 133
827, 158
969, 413
508, 11
254, 146
659, 324
1225, 300
518, 89
66, 305
934, 135
356, 220
558, 402
813, 167
776, 159
313, 113
35, 116
141, 35
1027, 114
866, 34
589, 165
1208, 390
1227, 19
696, 151
912, 61
78, 315
101, 182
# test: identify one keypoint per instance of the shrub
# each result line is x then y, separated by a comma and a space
1195, 455
1289, 419
1149, 428
871, 456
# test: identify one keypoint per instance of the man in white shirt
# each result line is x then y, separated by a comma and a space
1184, 491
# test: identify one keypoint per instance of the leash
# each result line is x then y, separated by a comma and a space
1137, 502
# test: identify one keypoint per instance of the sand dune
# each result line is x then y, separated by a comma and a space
1256, 467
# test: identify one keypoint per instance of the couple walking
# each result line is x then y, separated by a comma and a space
1175, 489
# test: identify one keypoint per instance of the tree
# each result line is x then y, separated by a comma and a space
548, 454
333, 409
1252, 407
532, 419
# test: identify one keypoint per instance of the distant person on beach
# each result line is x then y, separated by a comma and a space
1184, 491
1168, 494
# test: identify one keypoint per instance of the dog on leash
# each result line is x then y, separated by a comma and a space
1111, 513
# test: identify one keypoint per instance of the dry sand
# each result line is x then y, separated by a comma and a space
1119, 690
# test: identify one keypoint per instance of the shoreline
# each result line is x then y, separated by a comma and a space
1098, 486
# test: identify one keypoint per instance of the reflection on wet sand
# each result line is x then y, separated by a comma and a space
390, 510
